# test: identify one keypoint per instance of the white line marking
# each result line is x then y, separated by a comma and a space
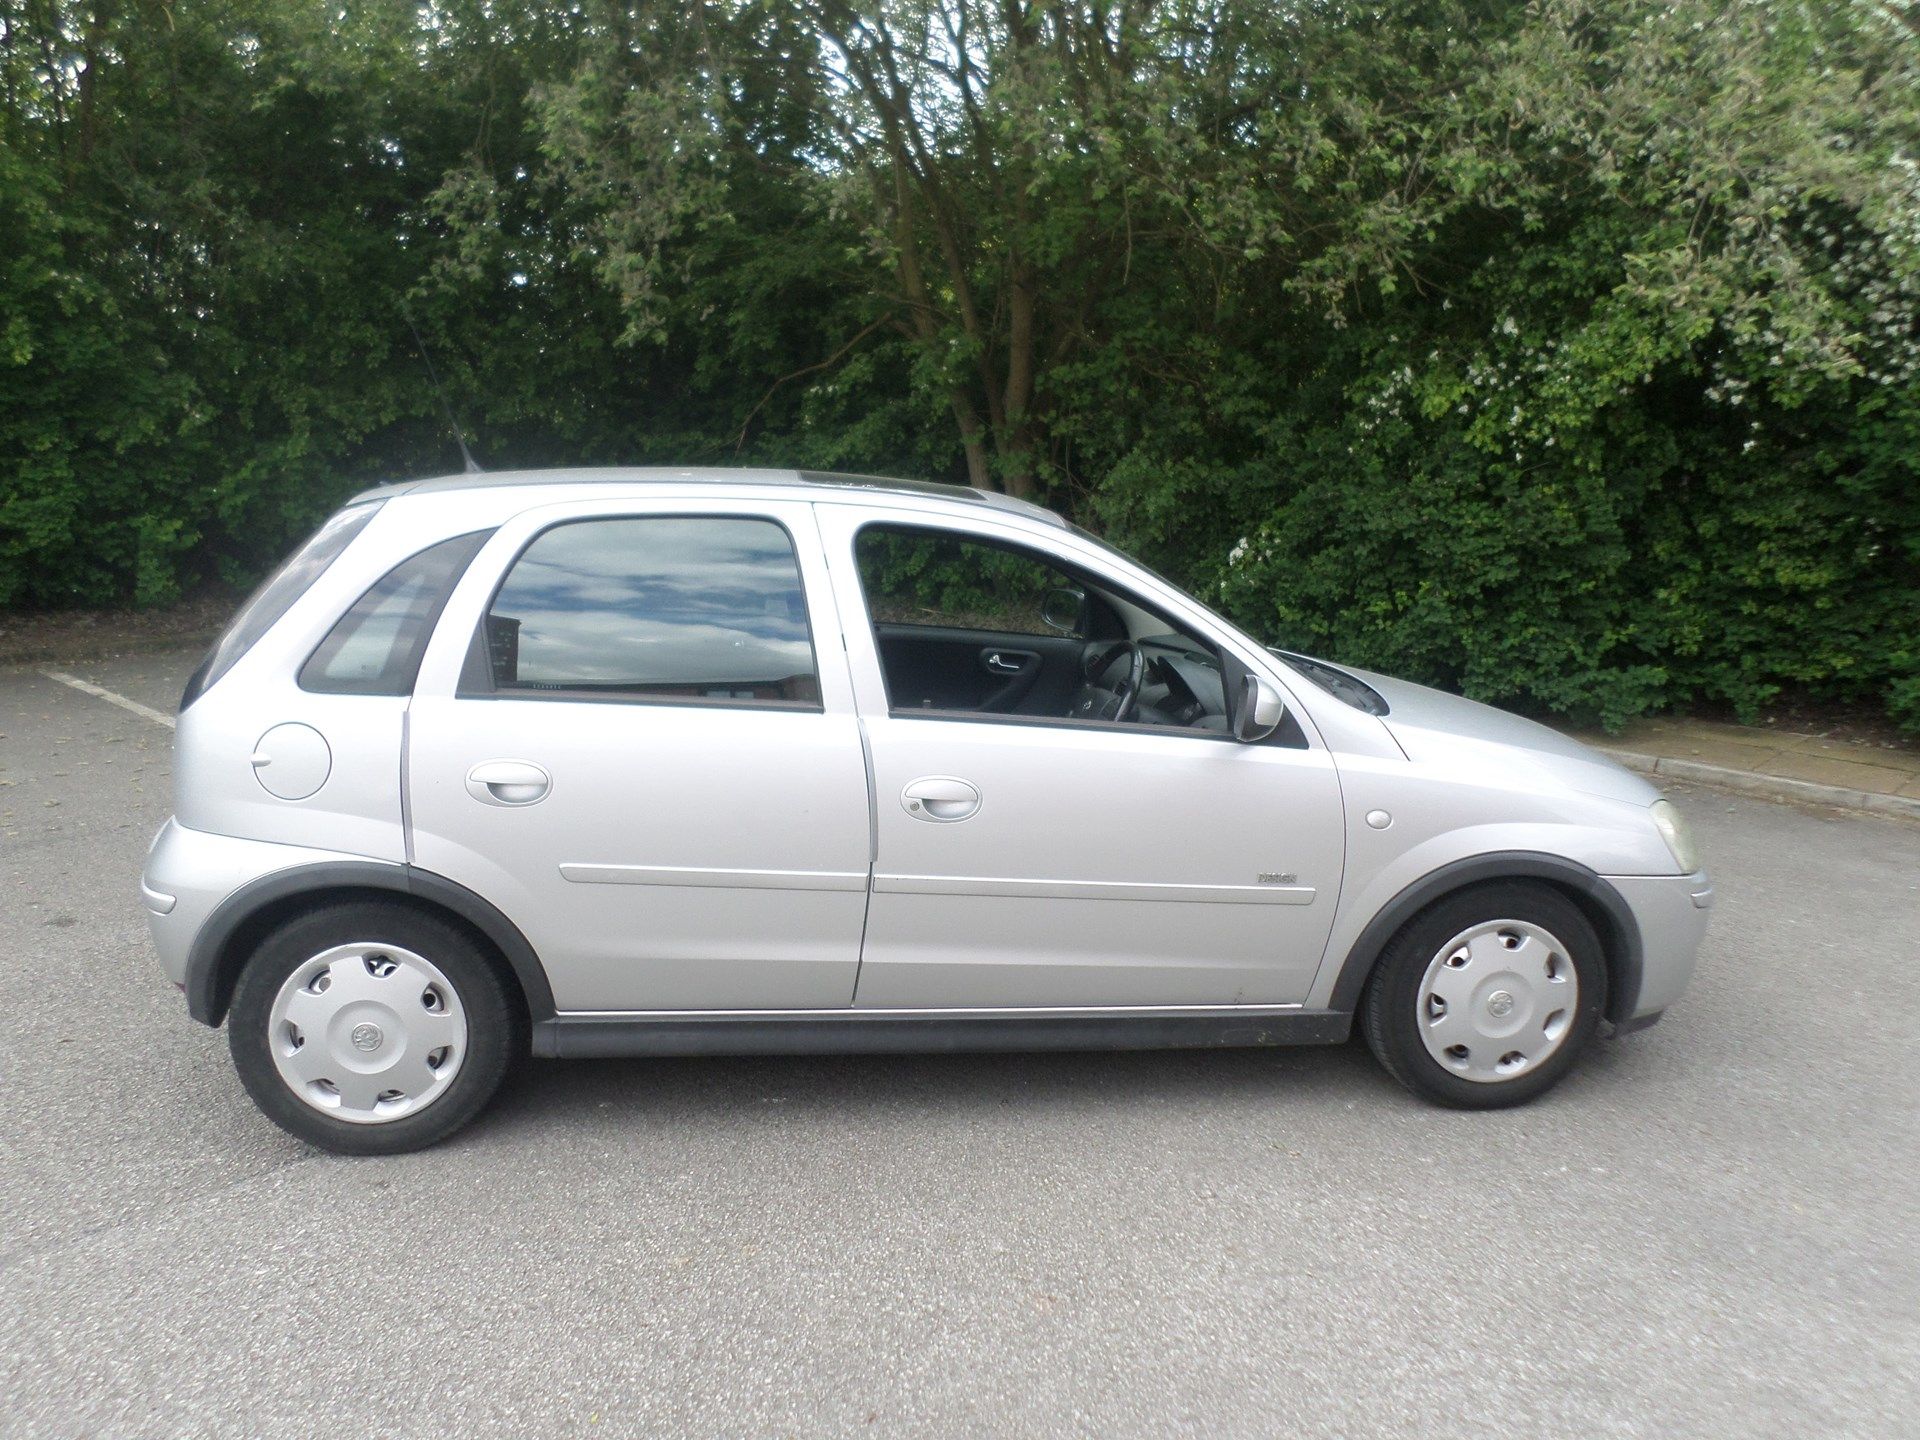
122, 701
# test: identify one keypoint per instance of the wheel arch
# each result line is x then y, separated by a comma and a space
247, 916
1603, 906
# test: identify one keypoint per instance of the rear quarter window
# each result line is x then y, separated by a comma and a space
276, 595
376, 647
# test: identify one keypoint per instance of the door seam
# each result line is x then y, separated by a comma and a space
406, 781
873, 849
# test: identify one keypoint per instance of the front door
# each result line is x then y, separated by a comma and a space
634, 750
1045, 856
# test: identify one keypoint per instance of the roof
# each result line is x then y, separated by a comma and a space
660, 475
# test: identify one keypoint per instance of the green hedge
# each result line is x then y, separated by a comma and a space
1567, 354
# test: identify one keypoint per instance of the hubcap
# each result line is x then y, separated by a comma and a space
1498, 1000
367, 1033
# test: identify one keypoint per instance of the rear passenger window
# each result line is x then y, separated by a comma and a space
376, 647
688, 608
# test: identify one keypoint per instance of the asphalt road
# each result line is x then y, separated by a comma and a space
1713, 1228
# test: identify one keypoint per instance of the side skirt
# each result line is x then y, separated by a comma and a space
591, 1036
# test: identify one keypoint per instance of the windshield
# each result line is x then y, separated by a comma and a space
1348, 689
1138, 564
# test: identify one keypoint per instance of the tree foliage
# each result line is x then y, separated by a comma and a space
1567, 353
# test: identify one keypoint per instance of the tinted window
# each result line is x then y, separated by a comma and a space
960, 628
376, 647
675, 607
276, 596
927, 577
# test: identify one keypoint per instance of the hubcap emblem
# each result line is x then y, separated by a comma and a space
366, 1037
1499, 1005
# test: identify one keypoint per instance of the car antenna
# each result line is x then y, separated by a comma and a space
472, 466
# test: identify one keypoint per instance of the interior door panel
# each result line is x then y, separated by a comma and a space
935, 668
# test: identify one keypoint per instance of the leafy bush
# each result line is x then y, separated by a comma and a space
1566, 353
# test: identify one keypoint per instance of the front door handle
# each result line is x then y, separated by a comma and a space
508, 782
940, 798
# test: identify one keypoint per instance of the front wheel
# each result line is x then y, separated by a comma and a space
1487, 998
371, 1028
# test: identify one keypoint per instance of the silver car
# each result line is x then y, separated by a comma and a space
676, 762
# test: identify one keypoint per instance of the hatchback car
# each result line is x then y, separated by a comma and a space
630, 762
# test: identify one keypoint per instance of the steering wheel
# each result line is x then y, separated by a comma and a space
1094, 701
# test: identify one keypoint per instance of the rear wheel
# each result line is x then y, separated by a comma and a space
1487, 998
370, 1028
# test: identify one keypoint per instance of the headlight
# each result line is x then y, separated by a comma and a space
1673, 829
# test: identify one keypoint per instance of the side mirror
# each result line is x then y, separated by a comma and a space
1259, 712
1062, 609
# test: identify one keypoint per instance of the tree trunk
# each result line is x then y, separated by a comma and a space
973, 440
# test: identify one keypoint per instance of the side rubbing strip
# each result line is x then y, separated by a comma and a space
1093, 890
855, 881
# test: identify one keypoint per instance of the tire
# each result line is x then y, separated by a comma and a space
1485, 970
411, 1026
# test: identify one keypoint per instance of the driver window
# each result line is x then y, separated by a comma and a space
974, 627
933, 578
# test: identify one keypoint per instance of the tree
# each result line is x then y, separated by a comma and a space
1567, 353
1015, 174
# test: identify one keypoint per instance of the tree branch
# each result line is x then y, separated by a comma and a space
827, 363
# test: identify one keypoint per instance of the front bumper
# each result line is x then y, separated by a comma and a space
1671, 912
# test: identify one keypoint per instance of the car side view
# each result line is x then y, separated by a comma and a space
674, 762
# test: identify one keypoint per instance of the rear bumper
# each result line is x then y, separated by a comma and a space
1671, 912
190, 873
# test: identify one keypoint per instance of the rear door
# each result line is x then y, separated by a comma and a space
634, 734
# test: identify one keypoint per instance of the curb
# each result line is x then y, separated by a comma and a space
1756, 782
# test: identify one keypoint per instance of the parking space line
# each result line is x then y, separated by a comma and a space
87, 687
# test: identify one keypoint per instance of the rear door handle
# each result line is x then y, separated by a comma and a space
508, 782
940, 798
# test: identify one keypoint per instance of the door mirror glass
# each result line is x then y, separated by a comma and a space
1259, 712
1063, 609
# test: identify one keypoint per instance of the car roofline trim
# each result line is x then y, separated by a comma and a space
816, 481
